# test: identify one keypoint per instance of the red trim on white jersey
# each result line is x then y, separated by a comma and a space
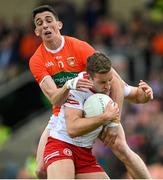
72, 101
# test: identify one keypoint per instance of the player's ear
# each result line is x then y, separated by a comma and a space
60, 24
36, 32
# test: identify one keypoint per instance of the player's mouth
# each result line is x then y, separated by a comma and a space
47, 33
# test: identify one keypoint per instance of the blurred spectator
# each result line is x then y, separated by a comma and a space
8, 57
99, 44
107, 28
136, 25
28, 44
156, 168
82, 32
92, 11
3, 27
120, 63
156, 79
157, 44
66, 12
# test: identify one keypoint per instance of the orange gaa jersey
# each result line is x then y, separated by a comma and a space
62, 64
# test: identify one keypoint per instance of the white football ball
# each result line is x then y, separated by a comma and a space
96, 104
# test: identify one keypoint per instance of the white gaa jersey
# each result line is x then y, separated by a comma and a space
57, 124
75, 100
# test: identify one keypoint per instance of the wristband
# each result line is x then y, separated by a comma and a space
127, 90
71, 84
112, 125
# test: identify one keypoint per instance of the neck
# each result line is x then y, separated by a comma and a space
55, 44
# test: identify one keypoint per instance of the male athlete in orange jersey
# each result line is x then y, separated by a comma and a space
66, 54
61, 64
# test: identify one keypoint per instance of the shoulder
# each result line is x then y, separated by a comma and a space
71, 39
77, 42
37, 56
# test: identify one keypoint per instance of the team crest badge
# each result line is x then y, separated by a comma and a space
67, 152
71, 61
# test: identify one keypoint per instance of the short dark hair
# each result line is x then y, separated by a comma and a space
43, 8
98, 63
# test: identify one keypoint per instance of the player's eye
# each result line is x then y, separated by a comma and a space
49, 20
39, 23
103, 82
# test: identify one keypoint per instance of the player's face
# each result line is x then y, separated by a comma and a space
102, 82
47, 27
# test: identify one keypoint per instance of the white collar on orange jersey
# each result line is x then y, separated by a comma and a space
59, 48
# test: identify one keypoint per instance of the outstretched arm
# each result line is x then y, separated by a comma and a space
120, 91
141, 94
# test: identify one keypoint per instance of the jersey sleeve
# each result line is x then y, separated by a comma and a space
38, 69
75, 100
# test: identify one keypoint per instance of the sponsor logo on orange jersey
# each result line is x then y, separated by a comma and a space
49, 63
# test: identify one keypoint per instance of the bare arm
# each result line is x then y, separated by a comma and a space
117, 94
117, 90
77, 125
57, 96
141, 94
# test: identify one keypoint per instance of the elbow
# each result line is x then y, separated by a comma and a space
54, 102
72, 133
51, 101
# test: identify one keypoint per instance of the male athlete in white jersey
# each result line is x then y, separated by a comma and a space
68, 151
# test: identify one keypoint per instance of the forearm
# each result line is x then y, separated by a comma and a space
56, 96
60, 96
137, 96
81, 126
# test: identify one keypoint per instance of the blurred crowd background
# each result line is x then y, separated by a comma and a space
130, 32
